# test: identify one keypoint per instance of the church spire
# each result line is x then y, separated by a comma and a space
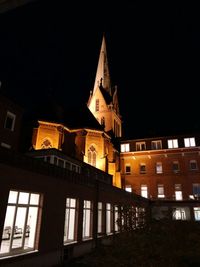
102, 74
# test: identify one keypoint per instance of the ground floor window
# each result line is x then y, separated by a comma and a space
20, 224
100, 217
181, 213
117, 218
87, 219
109, 218
197, 213
70, 220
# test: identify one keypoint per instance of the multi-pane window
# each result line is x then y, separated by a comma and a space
189, 142
179, 214
175, 166
97, 105
193, 165
127, 169
161, 193
100, 218
92, 155
70, 220
142, 168
109, 218
87, 219
172, 143
125, 147
144, 191
20, 224
157, 144
196, 190
159, 168
178, 192
197, 213
140, 146
10, 121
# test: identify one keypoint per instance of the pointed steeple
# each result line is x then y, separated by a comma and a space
102, 74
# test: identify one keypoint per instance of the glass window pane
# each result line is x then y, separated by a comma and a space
34, 199
12, 197
31, 227
19, 228
23, 198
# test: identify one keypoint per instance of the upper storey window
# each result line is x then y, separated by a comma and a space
172, 143
140, 146
92, 156
125, 147
189, 142
97, 105
10, 121
157, 144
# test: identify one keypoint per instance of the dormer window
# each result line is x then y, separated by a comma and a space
157, 144
140, 146
97, 105
125, 147
173, 143
189, 142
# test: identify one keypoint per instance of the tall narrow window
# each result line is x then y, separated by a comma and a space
197, 213
142, 168
103, 121
178, 192
21, 223
109, 218
87, 219
193, 165
10, 121
97, 105
159, 168
100, 217
196, 190
92, 156
70, 220
144, 191
116, 218
175, 166
161, 191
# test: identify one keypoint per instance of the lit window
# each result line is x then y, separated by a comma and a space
197, 213
189, 142
193, 165
21, 223
175, 166
156, 144
125, 147
144, 191
117, 218
109, 218
179, 214
128, 188
140, 146
173, 143
92, 156
161, 191
178, 192
128, 169
97, 105
87, 219
70, 220
100, 217
159, 168
142, 168
10, 121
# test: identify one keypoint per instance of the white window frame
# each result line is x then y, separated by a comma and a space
161, 193
23, 229
159, 167
125, 147
172, 143
70, 228
156, 144
140, 146
144, 190
87, 220
189, 142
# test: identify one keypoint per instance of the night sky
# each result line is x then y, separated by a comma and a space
52, 47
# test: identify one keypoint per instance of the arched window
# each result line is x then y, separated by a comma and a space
46, 144
92, 156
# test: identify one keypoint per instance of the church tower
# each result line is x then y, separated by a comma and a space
103, 100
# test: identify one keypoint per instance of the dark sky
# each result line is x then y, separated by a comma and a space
153, 54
